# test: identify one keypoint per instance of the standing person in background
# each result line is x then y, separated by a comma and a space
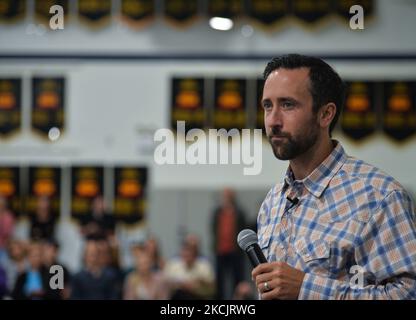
43, 221
100, 223
228, 220
7, 223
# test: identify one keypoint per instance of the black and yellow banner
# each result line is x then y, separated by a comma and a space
130, 194
359, 120
267, 13
12, 10
86, 184
188, 103
259, 106
10, 106
94, 13
342, 8
137, 13
311, 11
230, 104
48, 104
181, 13
44, 182
10, 188
399, 116
225, 8
42, 8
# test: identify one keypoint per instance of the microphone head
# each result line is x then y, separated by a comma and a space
246, 238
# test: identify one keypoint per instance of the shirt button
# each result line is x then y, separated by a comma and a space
282, 246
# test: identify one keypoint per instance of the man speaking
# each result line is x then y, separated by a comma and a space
335, 227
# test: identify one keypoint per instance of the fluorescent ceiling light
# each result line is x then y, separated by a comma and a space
222, 24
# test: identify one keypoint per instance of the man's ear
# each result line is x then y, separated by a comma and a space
327, 114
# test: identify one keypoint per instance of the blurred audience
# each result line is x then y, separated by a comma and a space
228, 221
33, 283
95, 281
100, 223
244, 291
14, 262
190, 276
152, 247
50, 249
145, 283
3, 283
7, 223
43, 221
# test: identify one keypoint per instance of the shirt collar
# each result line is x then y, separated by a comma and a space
319, 178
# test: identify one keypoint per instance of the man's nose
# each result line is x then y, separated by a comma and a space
273, 118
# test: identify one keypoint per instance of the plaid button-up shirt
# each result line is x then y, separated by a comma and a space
352, 232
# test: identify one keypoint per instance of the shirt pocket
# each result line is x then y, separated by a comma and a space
313, 255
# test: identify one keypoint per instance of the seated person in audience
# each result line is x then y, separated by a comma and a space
3, 283
100, 223
34, 284
190, 276
50, 249
7, 223
14, 262
152, 246
144, 283
43, 221
109, 260
95, 281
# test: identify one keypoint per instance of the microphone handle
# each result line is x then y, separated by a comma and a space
255, 255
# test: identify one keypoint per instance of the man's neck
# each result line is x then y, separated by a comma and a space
303, 165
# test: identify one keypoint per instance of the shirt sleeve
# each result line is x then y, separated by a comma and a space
386, 253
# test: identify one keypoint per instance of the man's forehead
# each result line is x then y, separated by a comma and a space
296, 80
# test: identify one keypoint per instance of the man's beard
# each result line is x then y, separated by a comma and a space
290, 146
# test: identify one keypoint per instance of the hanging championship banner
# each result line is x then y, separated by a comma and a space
399, 116
137, 13
181, 13
342, 8
311, 11
10, 106
225, 8
188, 103
12, 10
230, 104
44, 182
358, 119
260, 109
94, 13
86, 184
48, 105
268, 13
130, 194
10, 188
42, 8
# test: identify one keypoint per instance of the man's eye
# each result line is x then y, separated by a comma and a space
287, 104
267, 106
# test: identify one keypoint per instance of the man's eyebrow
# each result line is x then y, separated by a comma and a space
286, 99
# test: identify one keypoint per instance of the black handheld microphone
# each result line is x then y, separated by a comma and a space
247, 240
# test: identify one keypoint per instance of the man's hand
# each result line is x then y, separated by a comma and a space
283, 281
